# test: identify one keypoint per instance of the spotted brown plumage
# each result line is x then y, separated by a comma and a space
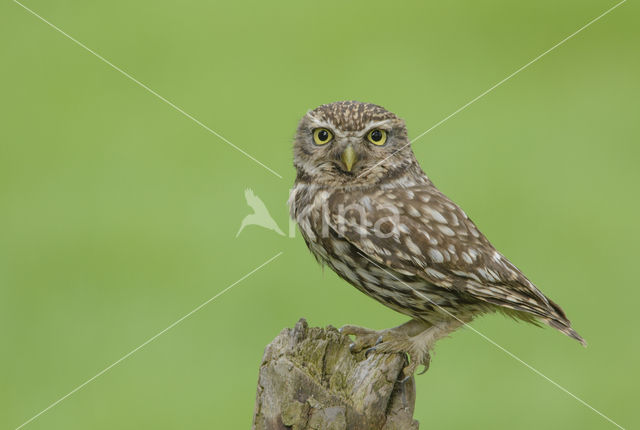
383, 226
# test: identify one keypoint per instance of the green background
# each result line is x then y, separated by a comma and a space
118, 215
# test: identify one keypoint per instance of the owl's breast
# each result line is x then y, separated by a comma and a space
308, 207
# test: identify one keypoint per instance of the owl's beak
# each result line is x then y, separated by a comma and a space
349, 157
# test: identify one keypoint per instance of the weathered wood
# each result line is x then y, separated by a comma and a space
309, 379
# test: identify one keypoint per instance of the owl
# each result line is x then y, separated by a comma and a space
367, 210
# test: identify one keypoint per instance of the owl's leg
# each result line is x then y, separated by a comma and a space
418, 346
368, 338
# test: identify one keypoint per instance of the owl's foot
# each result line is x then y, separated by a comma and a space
401, 339
414, 347
416, 340
366, 338
420, 358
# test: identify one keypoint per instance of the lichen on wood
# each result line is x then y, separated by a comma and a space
309, 379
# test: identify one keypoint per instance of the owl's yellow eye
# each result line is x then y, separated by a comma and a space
322, 136
377, 136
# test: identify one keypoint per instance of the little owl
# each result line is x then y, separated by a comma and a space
366, 209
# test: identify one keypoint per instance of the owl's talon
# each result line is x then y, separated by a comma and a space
369, 351
418, 359
405, 379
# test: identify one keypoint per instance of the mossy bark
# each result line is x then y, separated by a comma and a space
309, 379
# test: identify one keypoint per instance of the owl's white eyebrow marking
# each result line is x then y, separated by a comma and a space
317, 122
384, 124
323, 123
320, 123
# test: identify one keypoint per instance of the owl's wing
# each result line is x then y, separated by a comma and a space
418, 231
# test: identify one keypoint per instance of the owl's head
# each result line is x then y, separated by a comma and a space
350, 143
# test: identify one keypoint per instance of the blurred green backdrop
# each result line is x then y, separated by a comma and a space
118, 215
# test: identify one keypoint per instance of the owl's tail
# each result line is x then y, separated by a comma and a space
527, 304
559, 321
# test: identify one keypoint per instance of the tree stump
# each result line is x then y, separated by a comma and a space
309, 379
